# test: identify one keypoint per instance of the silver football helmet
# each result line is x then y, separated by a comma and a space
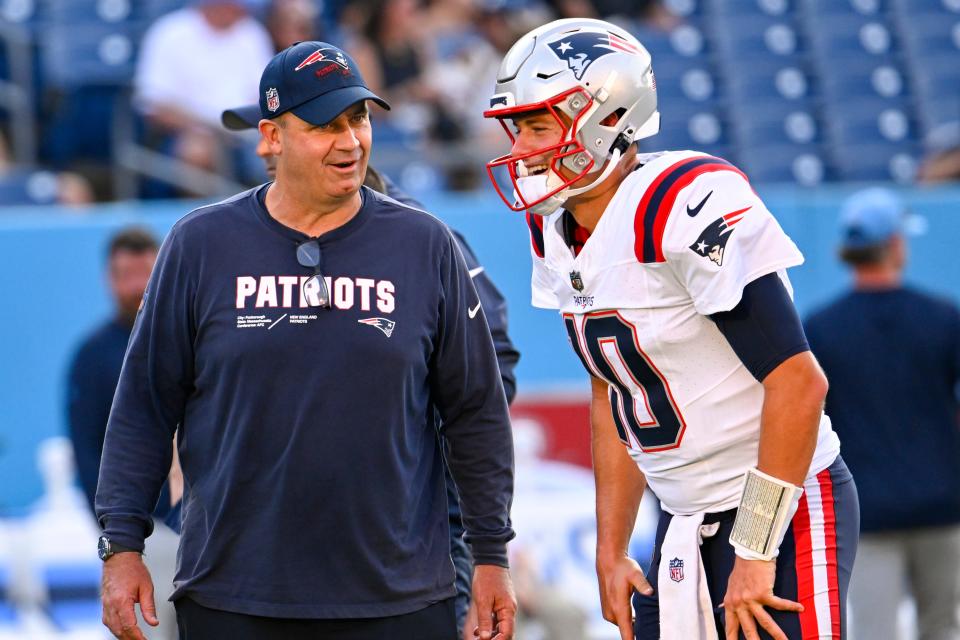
581, 71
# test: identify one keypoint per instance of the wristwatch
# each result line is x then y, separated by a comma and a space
107, 549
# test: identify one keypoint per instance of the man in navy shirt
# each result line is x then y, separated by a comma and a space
92, 381
892, 355
298, 337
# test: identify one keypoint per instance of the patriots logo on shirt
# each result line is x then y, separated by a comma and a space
713, 240
579, 50
383, 324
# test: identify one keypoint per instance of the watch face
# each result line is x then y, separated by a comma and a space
103, 548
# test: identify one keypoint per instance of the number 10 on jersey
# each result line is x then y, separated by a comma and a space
641, 399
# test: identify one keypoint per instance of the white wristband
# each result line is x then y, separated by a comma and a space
766, 509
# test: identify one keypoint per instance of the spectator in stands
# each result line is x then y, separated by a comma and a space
290, 21
942, 162
93, 376
19, 185
892, 355
194, 63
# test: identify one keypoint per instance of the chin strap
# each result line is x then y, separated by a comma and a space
556, 201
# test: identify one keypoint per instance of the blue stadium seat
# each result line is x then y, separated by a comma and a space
22, 12
885, 162
819, 9
932, 35
685, 8
858, 78
693, 85
702, 129
776, 123
95, 55
802, 164
773, 8
27, 187
155, 8
870, 121
752, 37
770, 83
79, 13
915, 7
851, 36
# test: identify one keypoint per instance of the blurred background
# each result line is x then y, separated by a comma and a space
110, 116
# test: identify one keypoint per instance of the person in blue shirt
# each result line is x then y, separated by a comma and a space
305, 340
892, 355
494, 307
91, 382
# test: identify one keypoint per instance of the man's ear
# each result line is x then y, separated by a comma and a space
270, 130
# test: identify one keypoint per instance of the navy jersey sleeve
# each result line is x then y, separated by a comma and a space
466, 387
495, 309
155, 382
88, 406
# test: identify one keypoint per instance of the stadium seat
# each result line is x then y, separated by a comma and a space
685, 8
885, 162
870, 121
752, 37
692, 85
752, 7
932, 35
79, 13
819, 9
25, 187
801, 164
915, 7
851, 36
776, 123
770, 83
859, 78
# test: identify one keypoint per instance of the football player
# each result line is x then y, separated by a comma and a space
669, 273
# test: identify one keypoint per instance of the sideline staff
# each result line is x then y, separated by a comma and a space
298, 349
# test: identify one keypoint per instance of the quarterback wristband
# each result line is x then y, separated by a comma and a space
766, 509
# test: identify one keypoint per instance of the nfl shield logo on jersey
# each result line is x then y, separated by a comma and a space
576, 280
273, 100
676, 570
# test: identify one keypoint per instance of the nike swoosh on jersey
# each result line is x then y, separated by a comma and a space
473, 312
693, 212
475, 272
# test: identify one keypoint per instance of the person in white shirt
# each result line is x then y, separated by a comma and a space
670, 275
193, 64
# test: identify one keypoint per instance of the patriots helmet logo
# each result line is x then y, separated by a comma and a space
579, 50
676, 570
713, 240
319, 55
384, 324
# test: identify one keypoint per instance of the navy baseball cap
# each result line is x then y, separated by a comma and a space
872, 216
240, 118
313, 80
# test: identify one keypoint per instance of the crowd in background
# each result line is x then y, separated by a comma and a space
145, 122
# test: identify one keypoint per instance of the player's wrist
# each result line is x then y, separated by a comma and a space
767, 506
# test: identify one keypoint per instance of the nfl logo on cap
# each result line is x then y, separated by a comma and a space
273, 100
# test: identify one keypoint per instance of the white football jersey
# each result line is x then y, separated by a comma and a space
682, 237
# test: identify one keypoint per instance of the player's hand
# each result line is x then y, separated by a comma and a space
619, 577
749, 589
495, 603
126, 581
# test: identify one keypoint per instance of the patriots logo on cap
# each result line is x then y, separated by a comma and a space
579, 50
713, 240
383, 324
273, 99
319, 55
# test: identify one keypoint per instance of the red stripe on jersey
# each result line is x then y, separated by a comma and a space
671, 197
804, 565
830, 540
638, 229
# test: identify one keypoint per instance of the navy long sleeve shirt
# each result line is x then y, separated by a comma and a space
312, 469
91, 383
893, 362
